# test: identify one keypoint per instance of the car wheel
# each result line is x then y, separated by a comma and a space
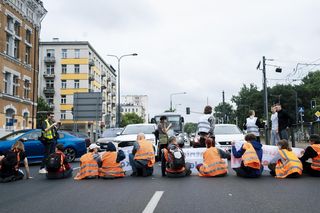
70, 154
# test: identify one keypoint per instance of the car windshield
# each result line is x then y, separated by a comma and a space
111, 133
226, 130
12, 136
136, 129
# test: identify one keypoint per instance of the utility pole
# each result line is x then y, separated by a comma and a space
223, 108
265, 92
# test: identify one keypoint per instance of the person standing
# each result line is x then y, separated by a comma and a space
206, 126
313, 152
253, 124
163, 128
274, 126
284, 122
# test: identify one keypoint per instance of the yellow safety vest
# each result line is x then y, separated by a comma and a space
291, 165
213, 165
47, 134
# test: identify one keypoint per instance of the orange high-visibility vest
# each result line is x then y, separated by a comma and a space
110, 168
145, 152
316, 160
88, 167
170, 170
291, 165
250, 157
213, 165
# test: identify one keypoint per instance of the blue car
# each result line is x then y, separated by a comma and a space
74, 147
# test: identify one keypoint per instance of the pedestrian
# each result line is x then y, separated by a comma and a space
48, 138
206, 125
251, 154
163, 128
213, 165
57, 165
253, 125
89, 164
284, 122
285, 163
111, 167
142, 157
10, 163
274, 126
173, 160
313, 152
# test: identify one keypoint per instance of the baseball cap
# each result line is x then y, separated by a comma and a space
93, 146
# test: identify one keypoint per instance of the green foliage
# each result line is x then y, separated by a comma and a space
130, 118
42, 107
224, 112
190, 128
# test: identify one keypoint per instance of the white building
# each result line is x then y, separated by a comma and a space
137, 104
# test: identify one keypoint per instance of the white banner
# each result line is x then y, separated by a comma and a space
269, 152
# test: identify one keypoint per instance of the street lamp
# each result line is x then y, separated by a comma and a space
172, 94
118, 107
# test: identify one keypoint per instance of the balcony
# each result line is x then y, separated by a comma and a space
51, 105
49, 59
48, 90
91, 62
103, 87
49, 75
91, 77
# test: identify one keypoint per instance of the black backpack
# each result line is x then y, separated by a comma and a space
54, 161
176, 158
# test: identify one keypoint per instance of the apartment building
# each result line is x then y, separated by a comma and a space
68, 67
20, 23
137, 104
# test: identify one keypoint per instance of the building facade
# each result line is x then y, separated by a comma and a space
70, 67
20, 23
137, 104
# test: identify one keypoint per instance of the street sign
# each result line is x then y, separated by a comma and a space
301, 110
87, 106
317, 114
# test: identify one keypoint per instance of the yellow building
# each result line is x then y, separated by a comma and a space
20, 23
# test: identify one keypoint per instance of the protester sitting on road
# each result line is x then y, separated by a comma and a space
57, 164
111, 167
173, 160
213, 165
142, 158
10, 163
285, 163
89, 164
313, 152
251, 154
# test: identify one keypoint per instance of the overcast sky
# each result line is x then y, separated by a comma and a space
201, 47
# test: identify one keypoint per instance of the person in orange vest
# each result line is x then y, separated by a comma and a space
173, 160
111, 167
142, 157
213, 165
285, 163
89, 164
57, 164
251, 154
313, 152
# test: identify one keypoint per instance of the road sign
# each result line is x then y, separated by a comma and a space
87, 106
301, 110
317, 114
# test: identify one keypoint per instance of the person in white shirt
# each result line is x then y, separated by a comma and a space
274, 126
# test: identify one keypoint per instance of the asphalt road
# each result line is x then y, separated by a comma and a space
132, 194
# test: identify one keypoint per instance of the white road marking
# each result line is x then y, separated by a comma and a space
76, 168
153, 202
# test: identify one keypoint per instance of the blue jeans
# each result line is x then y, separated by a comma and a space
283, 134
274, 137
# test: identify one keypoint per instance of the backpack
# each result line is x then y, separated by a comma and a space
176, 158
54, 161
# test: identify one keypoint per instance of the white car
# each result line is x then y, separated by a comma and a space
129, 135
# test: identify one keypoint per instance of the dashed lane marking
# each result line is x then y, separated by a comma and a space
153, 202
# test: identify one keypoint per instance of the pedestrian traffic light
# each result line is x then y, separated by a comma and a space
313, 104
188, 110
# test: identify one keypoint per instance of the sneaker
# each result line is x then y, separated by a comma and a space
43, 171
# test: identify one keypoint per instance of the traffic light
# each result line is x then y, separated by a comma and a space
313, 104
188, 110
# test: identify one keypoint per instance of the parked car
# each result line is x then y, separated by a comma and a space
74, 147
81, 135
108, 136
225, 134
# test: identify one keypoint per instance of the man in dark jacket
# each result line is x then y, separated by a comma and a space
284, 121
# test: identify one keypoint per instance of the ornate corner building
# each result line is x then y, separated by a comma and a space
20, 24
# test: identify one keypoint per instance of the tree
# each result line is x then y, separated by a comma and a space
224, 112
130, 118
42, 108
190, 128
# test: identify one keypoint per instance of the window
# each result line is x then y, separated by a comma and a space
10, 23
49, 83
64, 84
63, 68
76, 84
50, 69
76, 68
50, 52
7, 82
63, 114
49, 99
16, 49
9, 44
15, 85
63, 99
64, 53
27, 55
17, 28
77, 53
28, 37
26, 87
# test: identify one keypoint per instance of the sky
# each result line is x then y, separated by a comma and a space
201, 47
